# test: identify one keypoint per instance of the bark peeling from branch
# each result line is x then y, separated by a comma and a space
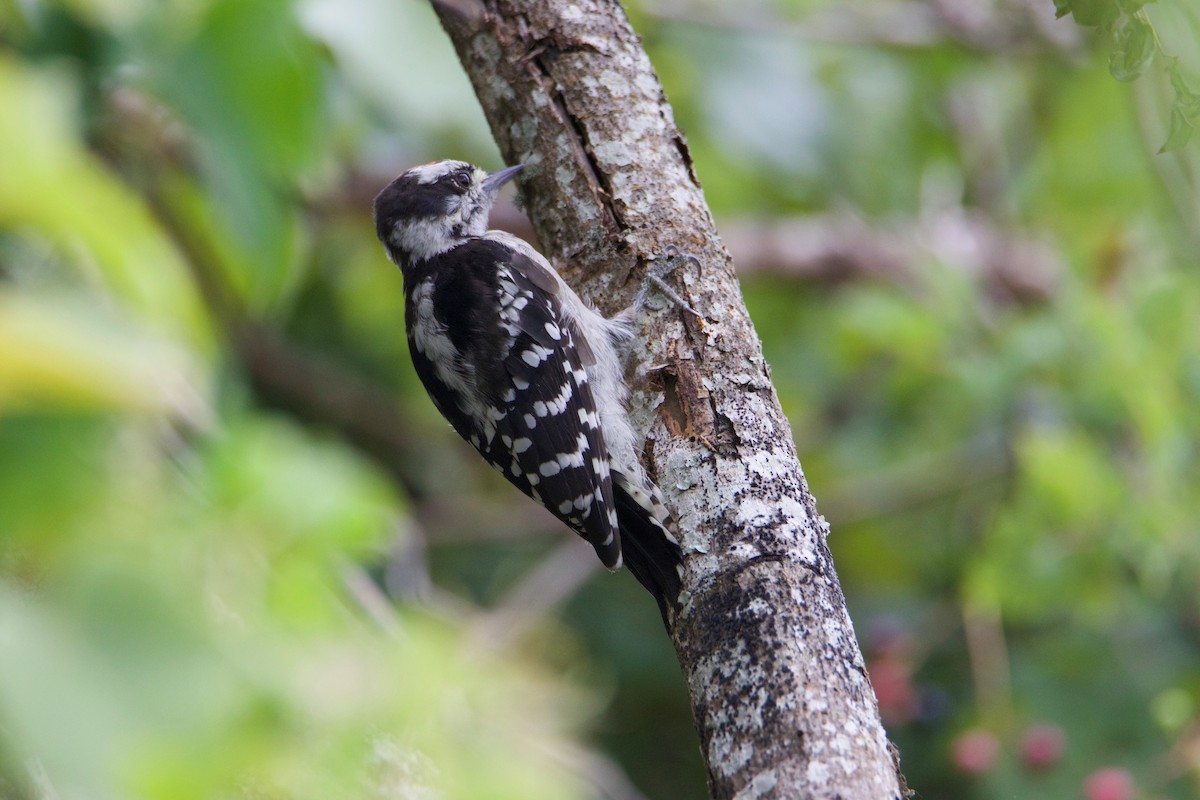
779, 691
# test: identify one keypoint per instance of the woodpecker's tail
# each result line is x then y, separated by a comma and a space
649, 545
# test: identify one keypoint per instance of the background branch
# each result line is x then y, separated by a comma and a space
1014, 265
1000, 25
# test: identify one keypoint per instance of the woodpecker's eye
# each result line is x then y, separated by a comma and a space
462, 180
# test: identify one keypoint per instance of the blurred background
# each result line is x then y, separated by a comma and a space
242, 556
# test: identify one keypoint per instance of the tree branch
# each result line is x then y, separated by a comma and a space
779, 691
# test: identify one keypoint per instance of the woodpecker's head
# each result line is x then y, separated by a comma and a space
435, 207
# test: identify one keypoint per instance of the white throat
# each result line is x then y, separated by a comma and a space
422, 239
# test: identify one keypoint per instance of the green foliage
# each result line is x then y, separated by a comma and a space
1185, 111
1136, 45
249, 83
181, 571
79, 205
184, 627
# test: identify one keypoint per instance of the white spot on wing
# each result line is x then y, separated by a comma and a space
566, 460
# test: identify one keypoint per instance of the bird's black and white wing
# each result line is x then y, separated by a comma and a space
515, 384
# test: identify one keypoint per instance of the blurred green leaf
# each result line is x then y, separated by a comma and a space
250, 82
876, 321
1135, 49
183, 625
302, 490
1071, 479
53, 186
48, 485
113, 14
1185, 113
56, 355
1093, 13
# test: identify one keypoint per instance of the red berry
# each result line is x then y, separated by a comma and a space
894, 690
975, 751
1109, 783
1042, 747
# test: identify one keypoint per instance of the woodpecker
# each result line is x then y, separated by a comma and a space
523, 369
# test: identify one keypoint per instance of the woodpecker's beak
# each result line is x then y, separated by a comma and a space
494, 180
